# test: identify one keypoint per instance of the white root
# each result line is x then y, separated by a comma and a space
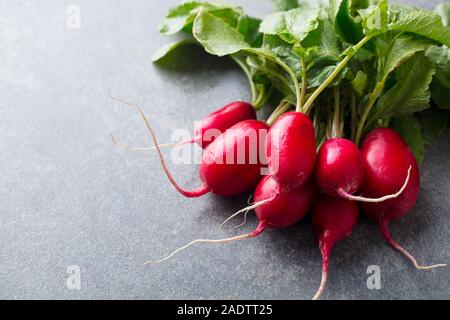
350, 197
259, 230
202, 190
246, 210
323, 284
144, 149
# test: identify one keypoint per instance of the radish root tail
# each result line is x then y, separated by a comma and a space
387, 235
323, 284
253, 234
245, 216
350, 197
189, 194
145, 149
325, 250
244, 222
246, 210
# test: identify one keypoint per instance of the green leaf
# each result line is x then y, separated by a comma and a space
439, 55
274, 24
178, 18
392, 55
398, 51
346, 26
170, 48
440, 87
327, 46
181, 18
292, 26
363, 55
284, 51
359, 84
229, 15
398, 17
284, 5
434, 123
410, 129
318, 75
183, 56
249, 28
375, 18
441, 95
277, 45
217, 36
356, 5
262, 61
411, 92
422, 22
443, 9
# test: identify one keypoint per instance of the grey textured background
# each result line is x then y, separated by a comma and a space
68, 197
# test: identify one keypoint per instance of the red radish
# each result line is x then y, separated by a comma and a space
231, 165
285, 209
280, 211
339, 168
212, 126
340, 171
334, 220
387, 160
291, 150
221, 120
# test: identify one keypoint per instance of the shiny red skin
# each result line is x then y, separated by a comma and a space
334, 219
339, 165
387, 159
221, 120
291, 150
231, 179
286, 209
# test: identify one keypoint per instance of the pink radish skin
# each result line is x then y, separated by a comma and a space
340, 172
232, 179
339, 167
386, 160
279, 211
286, 209
221, 120
291, 150
334, 219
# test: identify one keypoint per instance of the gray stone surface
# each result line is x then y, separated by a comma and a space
68, 197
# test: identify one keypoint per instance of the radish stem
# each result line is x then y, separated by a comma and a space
282, 108
288, 69
304, 83
337, 115
309, 104
353, 114
373, 97
248, 74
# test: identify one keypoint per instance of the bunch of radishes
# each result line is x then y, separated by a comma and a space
300, 179
310, 159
